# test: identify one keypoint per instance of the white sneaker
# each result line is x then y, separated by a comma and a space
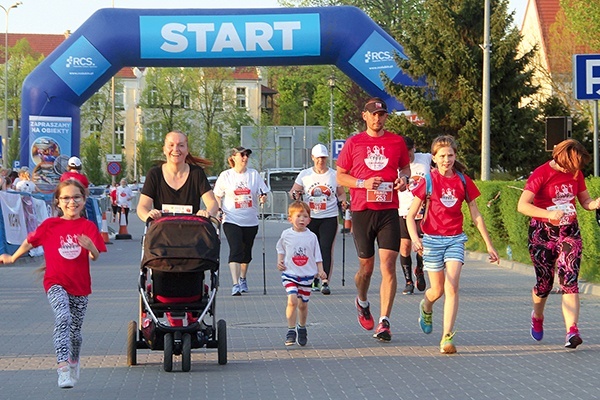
74, 370
64, 377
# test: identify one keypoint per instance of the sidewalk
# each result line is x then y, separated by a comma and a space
497, 359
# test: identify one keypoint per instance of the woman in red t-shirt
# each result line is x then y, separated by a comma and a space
69, 242
443, 242
554, 237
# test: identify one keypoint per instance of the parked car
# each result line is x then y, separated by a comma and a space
98, 191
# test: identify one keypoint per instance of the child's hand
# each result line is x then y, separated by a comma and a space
417, 246
281, 266
494, 257
322, 274
6, 259
85, 242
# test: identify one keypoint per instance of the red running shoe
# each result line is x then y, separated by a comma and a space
365, 319
383, 332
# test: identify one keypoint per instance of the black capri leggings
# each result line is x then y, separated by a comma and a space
325, 229
241, 240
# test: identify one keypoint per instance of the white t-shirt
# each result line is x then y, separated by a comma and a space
124, 195
302, 252
419, 168
239, 196
319, 192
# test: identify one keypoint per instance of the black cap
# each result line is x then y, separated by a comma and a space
375, 105
240, 149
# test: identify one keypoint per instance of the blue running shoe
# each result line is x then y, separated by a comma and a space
537, 328
243, 285
425, 319
235, 290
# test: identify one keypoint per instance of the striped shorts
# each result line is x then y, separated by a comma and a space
437, 250
298, 285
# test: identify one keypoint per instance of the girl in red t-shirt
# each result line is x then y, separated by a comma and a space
443, 243
555, 244
69, 241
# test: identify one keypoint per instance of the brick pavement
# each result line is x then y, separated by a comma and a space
497, 359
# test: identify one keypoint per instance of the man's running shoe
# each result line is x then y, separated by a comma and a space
325, 288
302, 336
235, 290
537, 327
365, 319
409, 288
425, 319
290, 337
447, 345
421, 284
573, 338
383, 332
243, 285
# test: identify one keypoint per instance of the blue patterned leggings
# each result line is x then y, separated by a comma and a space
68, 311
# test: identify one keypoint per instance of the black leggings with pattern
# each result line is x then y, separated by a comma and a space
69, 312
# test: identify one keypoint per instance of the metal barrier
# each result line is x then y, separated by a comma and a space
277, 205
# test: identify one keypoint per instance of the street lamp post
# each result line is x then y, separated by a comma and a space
5, 131
331, 82
305, 150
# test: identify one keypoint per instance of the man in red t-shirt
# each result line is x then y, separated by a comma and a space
375, 164
74, 172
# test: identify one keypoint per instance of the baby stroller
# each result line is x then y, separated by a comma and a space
177, 309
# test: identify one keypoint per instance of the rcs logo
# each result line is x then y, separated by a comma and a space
80, 62
378, 56
14, 221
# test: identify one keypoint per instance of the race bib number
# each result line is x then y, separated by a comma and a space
569, 216
383, 194
317, 203
176, 209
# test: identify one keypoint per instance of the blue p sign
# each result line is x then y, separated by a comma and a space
336, 147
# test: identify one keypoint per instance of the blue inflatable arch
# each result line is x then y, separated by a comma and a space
114, 38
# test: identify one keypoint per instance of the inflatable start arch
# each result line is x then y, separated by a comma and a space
114, 38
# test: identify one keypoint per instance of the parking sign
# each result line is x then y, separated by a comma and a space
336, 147
586, 76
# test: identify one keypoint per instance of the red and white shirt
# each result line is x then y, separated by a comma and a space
301, 250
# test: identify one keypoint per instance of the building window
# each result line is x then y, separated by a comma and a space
95, 103
95, 130
218, 100
120, 135
240, 97
10, 127
185, 99
120, 101
153, 97
153, 132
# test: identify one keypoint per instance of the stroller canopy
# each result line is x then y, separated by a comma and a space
181, 244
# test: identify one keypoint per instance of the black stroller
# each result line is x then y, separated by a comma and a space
177, 309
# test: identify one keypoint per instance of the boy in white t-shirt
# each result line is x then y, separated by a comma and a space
299, 260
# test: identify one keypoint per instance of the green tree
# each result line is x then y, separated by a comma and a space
91, 155
22, 60
443, 45
148, 152
583, 19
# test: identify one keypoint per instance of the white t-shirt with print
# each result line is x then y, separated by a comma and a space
419, 168
239, 194
301, 250
319, 192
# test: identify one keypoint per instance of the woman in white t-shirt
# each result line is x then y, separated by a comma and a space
317, 187
239, 190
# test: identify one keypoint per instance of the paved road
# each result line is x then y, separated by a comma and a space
496, 360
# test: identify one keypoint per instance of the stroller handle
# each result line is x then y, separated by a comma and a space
214, 220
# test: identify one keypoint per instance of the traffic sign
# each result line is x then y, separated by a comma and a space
113, 168
114, 157
336, 147
586, 76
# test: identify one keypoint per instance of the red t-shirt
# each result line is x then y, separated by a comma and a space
67, 263
77, 176
555, 188
364, 157
444, 213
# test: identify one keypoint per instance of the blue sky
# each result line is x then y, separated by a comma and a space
57, 16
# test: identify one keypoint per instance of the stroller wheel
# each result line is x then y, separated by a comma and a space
222, 341
186, 353
132, 333
168, 355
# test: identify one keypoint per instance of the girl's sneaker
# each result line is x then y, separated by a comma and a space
537, 328
74, 369
64, 377
447, 345
573, 338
